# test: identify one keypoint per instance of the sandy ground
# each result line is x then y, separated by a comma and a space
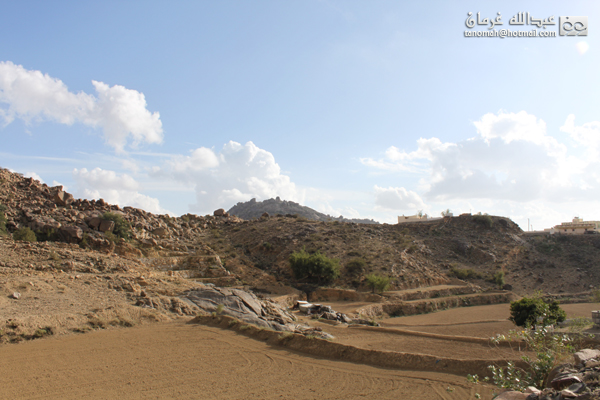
181, 360
480, 321
185, 361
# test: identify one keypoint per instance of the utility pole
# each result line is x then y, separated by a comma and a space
527, 224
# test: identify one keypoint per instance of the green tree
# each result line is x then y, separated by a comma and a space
446, 213
484, 220
24, 234
525, 312
314, 267
122, 227
498, 278
378, 283
356, 266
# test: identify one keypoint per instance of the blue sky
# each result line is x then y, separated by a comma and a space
366, 109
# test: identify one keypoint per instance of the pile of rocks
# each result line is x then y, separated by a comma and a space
57, 214
326, 312
578, 380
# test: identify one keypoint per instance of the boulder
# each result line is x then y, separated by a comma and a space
265, 215
94, 222
106, 226
244, 306
161, 232
220, 213
584, 355
72, 233
62, 198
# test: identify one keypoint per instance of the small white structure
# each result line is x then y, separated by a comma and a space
412, 218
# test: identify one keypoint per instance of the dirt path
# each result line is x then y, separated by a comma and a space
184, 361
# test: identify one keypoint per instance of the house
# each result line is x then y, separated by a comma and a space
412, 218
577, 227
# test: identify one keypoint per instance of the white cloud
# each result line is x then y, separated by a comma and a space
114, 188
34, 176
398, 199
237, 173
512, 157
587, 134
582, 47
57, 183
120, 112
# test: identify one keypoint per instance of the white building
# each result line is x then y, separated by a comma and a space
577, 227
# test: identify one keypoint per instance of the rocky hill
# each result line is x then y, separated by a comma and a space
255, 209
226, 250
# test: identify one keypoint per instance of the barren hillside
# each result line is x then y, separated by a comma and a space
227, 250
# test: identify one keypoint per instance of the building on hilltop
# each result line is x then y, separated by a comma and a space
412, 218
577, 227
415, 218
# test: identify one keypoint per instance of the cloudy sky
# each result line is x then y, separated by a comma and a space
363, 109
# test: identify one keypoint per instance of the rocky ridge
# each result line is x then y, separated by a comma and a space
255, 209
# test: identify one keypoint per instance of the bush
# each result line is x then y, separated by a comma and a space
122, 227
24, 234
314, 267
2, 224
49, 235
465, 273
498, 278
3, 230
378, 282
484, 220
356, 266
525, 312
549, 350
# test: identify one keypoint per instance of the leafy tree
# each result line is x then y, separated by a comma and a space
24, 234
356, 266
316, 267
498, 278
525, 312
122, 227
484, 220
378, 282
446, 213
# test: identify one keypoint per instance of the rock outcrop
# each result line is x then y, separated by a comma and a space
244, 306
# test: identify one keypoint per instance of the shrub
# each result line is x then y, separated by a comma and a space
110, 236
498, 278
122, 227
549, 350
2, 220
24, 234
49, 235
527, 311
378, 282
595, 296
465, 273
356, 266
314, 267
484, 220
84, 244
